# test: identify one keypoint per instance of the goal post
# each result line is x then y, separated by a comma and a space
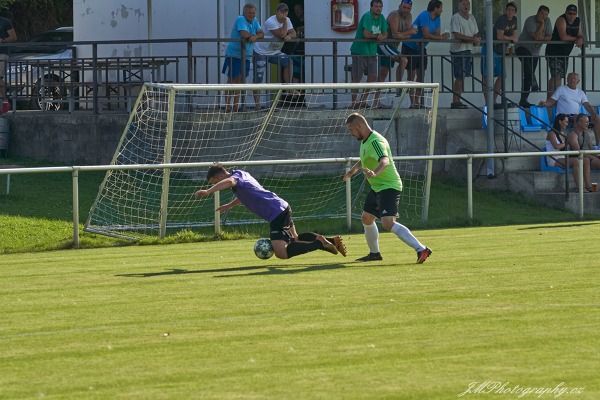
294, 141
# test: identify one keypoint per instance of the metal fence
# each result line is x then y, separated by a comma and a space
75, 170
89, 82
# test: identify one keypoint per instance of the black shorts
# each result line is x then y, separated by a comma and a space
382, 204
281, 226
416, 60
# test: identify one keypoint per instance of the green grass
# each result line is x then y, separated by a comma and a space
515, 304
37, 215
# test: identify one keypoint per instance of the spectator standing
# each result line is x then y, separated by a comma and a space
7, 35
374, 27
247, 30
399, 28
505, 28
297, 49
464, 30
567, 28
278, 29
537, 28
428, 28
569, 99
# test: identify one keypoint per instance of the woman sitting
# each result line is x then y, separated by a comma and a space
555, 142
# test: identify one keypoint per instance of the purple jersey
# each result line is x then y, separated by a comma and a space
257, 199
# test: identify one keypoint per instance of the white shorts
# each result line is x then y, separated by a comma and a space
551, 161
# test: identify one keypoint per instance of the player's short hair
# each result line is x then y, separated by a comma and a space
579, 117
376, 1
544, 8
355, 118
249, 5
214, 170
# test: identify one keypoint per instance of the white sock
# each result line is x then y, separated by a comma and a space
407, 237
372, 236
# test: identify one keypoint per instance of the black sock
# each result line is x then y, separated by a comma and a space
310, 237
296, 248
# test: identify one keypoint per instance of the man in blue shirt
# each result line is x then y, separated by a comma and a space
273, 209
428, 24
246, 28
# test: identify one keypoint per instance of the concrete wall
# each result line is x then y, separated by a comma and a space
71, 139
86, 139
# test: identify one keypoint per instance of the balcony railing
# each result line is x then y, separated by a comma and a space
90, 81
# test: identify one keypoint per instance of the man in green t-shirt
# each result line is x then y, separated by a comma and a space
374, 27
382, 200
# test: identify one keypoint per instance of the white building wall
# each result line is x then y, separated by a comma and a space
96, 20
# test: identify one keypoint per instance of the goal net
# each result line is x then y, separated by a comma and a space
297, 145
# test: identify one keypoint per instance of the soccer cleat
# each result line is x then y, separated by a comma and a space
339, 245
371, 257
423, 254
327, 245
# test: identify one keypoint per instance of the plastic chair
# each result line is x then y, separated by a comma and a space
533, 126
545, 168
542, 114
582, 110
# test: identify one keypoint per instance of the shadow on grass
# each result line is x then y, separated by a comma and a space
558, 226
266, 271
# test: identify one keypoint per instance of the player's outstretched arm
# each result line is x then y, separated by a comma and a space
228, 206
224, 184
352, 171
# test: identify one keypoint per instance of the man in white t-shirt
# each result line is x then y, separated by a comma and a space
464, 29
569, 99
279, 29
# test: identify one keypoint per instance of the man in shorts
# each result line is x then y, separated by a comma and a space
273, 209
570, 100
374, 27
382, 200
464, 30
399, 28
247, 29
567, 28
277, 29
505, 28
428, 27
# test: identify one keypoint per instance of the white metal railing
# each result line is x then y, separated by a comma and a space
75, 170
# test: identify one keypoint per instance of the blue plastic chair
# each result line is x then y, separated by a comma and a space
545, 168
542, 114
484, 118
533, 126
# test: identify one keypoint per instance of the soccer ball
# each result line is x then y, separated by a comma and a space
263, 249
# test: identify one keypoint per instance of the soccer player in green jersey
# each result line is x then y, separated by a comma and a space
382, 201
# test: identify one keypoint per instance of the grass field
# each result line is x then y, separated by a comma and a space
517, 305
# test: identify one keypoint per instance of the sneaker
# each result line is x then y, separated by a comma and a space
371, 257
327, 245
339, 245
423, 254
525, 104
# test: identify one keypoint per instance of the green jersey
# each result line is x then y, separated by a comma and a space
375, 26
371, 151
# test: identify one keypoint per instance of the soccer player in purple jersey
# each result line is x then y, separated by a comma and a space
273, 209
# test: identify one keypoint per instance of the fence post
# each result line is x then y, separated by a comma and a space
470, 186
348, 197
75, 176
